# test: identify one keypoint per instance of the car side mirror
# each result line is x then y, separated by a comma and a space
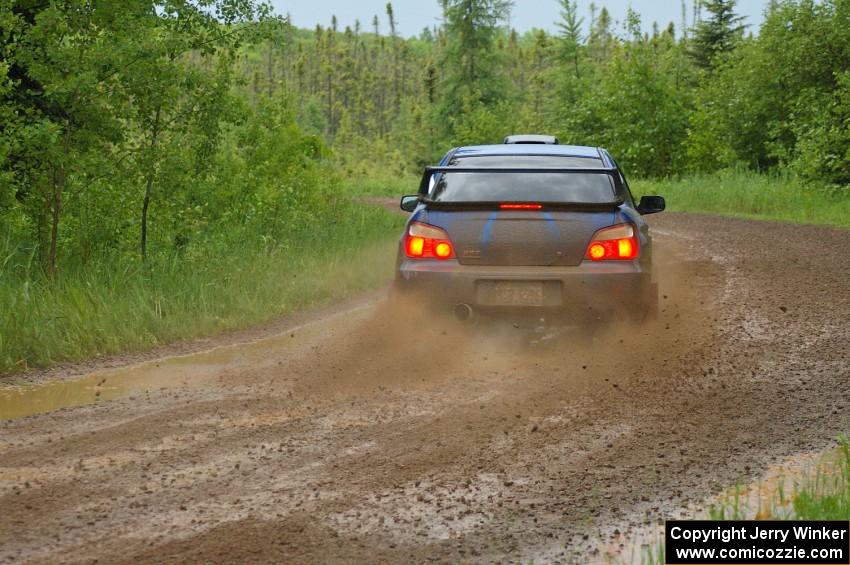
651, 204
409, 203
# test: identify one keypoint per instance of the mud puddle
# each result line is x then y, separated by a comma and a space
19, 401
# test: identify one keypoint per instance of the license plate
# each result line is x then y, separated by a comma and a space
516, 293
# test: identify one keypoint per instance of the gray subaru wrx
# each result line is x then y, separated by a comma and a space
529, 228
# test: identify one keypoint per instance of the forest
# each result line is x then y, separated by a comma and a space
173, 168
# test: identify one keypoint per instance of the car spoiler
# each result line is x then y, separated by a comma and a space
612, 172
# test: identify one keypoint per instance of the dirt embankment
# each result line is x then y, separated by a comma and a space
382, 436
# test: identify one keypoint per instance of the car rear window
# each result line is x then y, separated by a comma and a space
566, 187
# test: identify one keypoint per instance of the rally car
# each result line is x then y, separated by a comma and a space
529, 227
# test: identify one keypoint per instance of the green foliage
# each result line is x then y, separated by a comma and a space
128, 129
389, 185
643, 97
109, 91
481, 123
147, 141
749, 194
716, 35
601, 36
9, 139
113, 306
826, 496
638, 111
60, 59
822, 493
392, 104
811, 46
570, 34
781, 99
470, 59
822, 150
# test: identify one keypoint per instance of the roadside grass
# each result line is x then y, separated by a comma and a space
749, 194
826, 495
395, 187
108, 308
823, 494
739, 193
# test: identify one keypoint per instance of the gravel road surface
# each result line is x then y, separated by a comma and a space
377, 434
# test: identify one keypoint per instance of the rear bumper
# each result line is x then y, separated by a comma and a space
589, 288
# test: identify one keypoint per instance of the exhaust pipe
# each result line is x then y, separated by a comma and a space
464, 312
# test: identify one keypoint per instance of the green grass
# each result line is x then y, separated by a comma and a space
395, 187
750, 195
823, 494
826, 494
112, 307
742, 193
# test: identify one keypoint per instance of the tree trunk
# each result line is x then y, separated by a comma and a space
145, 203
143, 244
60, 177
331, 128
55, 208
270, 71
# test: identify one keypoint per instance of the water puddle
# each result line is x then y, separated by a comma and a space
18, 401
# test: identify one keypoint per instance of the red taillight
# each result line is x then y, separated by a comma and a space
415, 246
443, 250
427, 242
614, 243
520, 206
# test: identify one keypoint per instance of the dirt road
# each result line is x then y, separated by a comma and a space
375, 435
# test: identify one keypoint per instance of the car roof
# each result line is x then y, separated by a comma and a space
528, 149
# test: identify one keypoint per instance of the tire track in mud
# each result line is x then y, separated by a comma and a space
397, 437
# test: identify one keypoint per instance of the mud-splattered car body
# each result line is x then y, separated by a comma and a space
541, 229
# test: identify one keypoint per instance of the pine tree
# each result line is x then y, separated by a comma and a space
600, 35
717, 34
570, 26
395, 50
471, 57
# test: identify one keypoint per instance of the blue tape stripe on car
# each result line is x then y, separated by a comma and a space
487, 232
552, 225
